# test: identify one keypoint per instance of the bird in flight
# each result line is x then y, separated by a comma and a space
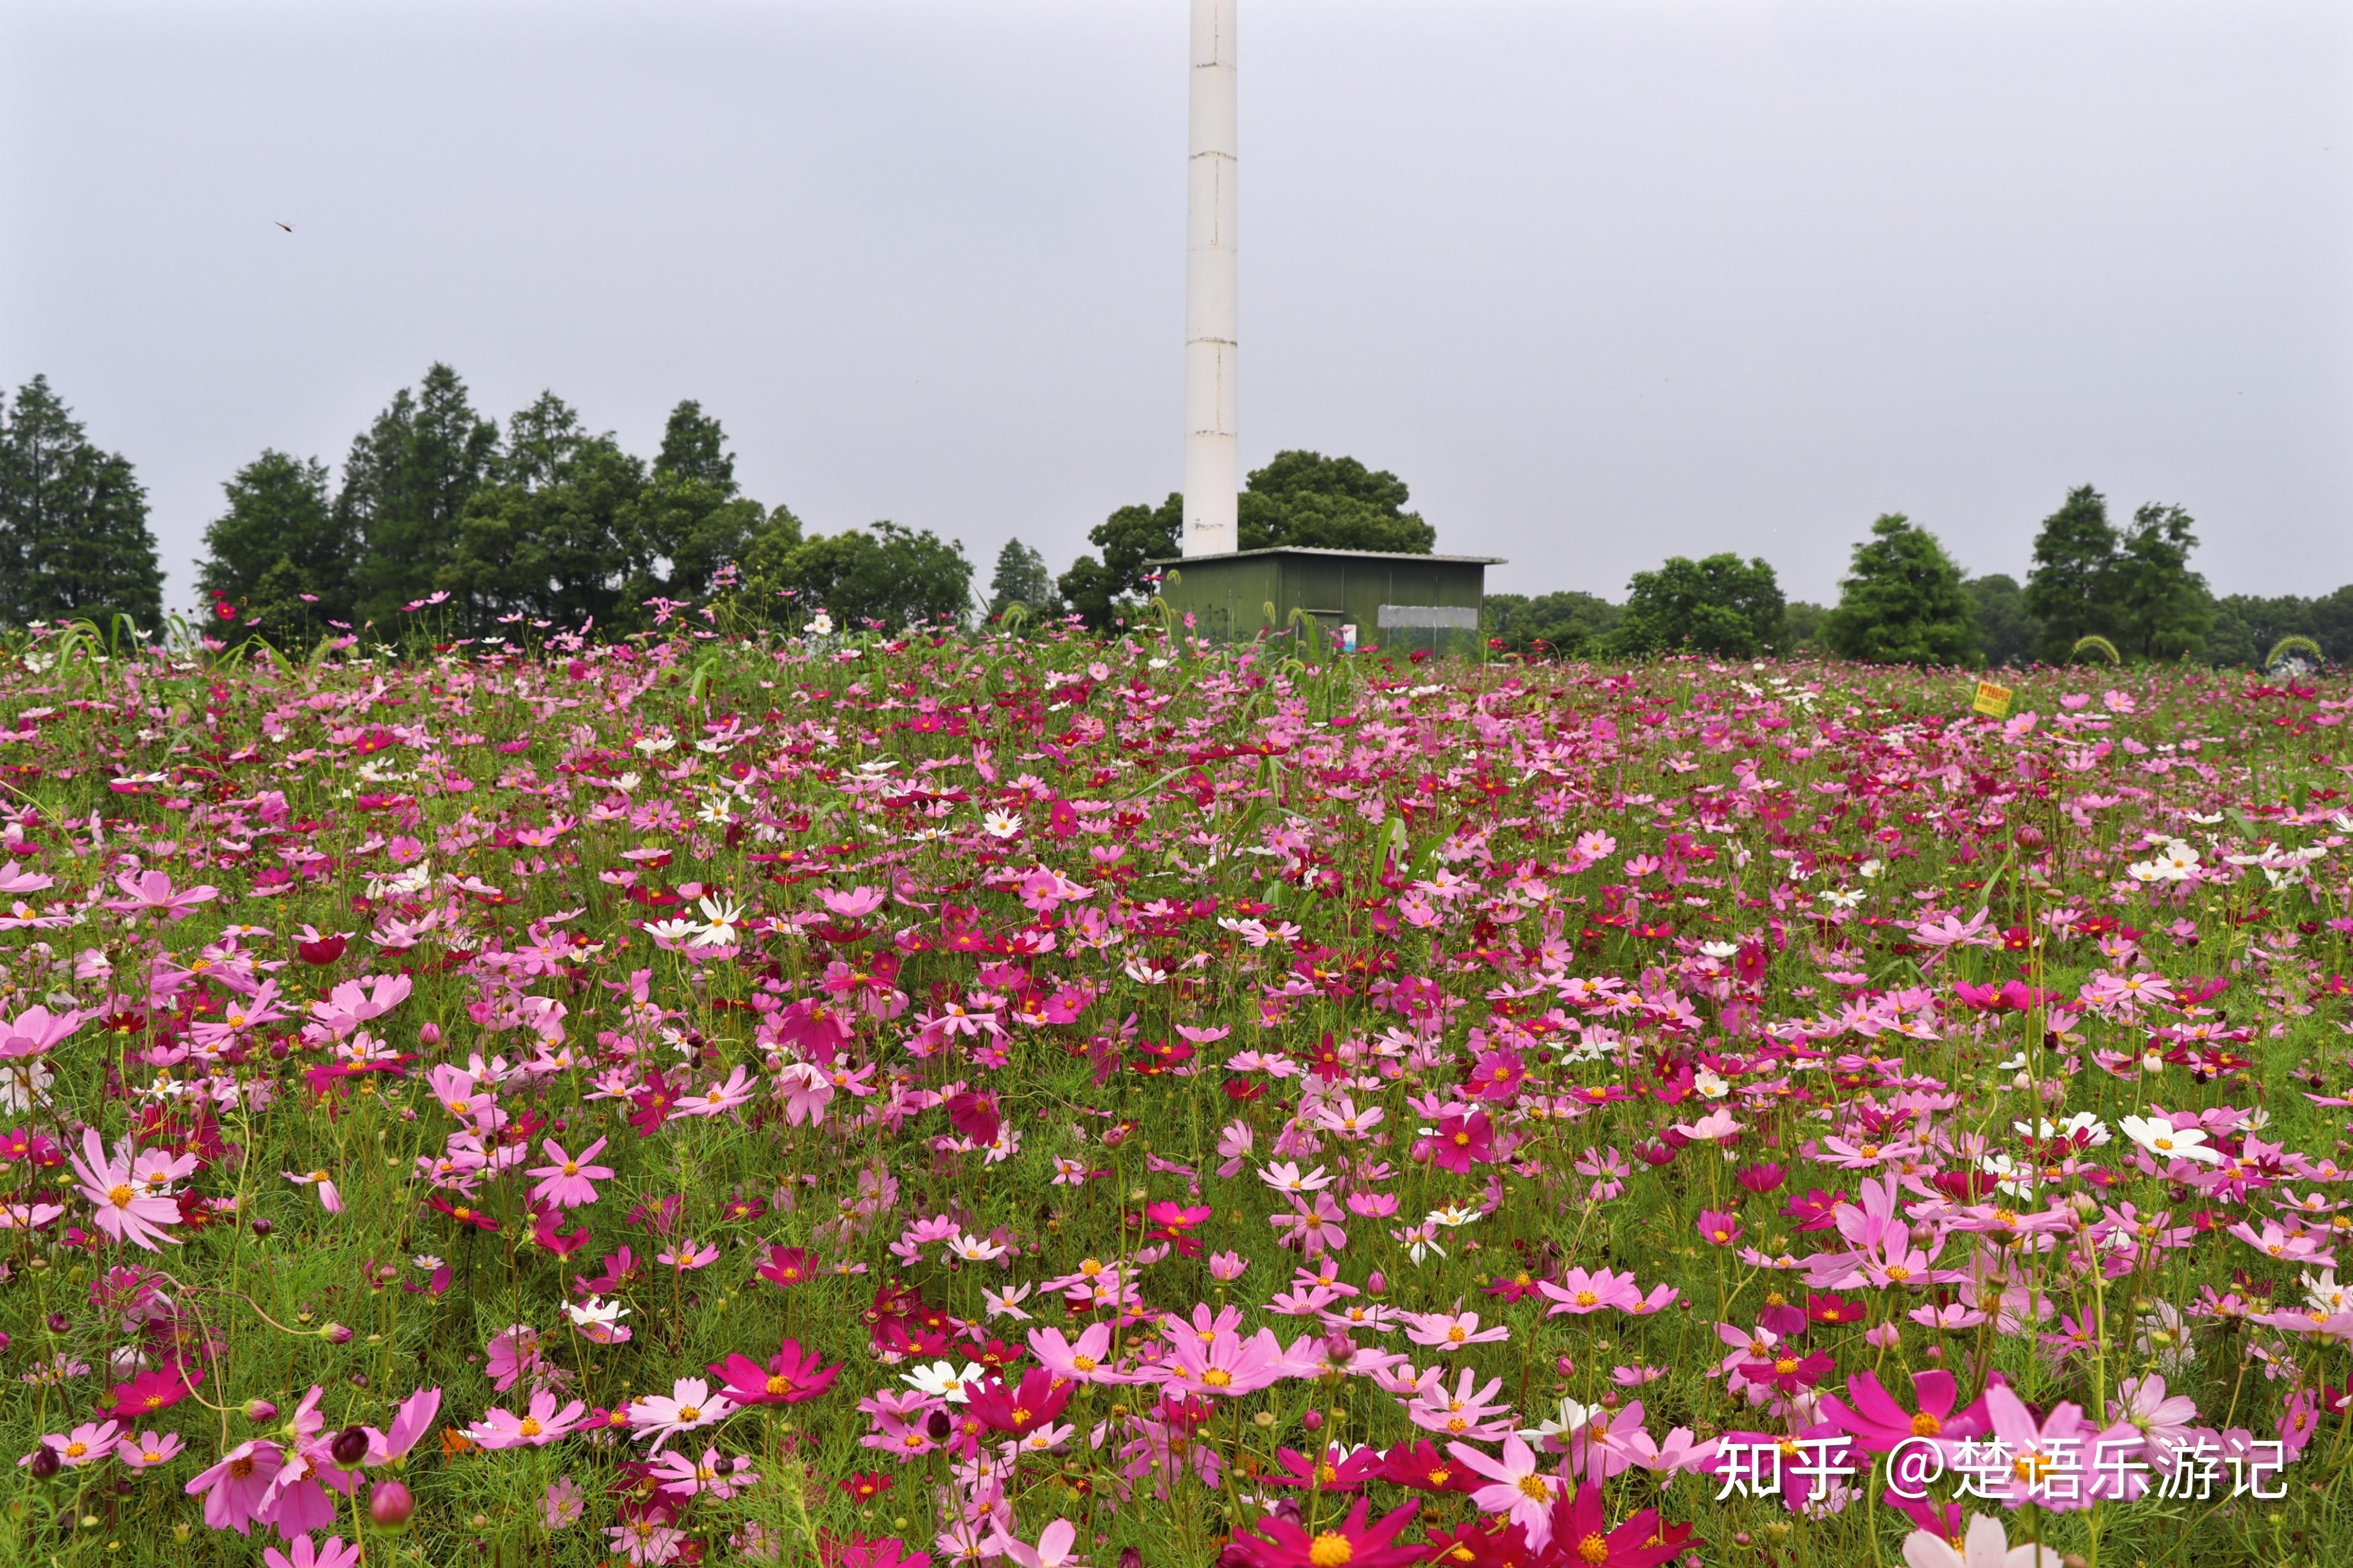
287, 226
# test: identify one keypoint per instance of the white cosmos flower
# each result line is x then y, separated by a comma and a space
2168, 1141
942, 1379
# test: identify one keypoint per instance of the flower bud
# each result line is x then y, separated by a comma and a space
335, 1334
1313, 1420
261, 1227
43, 1464
389, 1505
350, 1446
260, 1410
431, 1034
1377, 1284
60, 1323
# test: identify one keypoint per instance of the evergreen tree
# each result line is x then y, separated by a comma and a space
279, 558
689, 521
2162, 609
74, 541
1329, 503
2068, 590
1902, 601
547, 538
1717, 606
1021, 578
405, 484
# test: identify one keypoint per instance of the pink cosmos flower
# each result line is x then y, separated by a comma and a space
148, 1449
1087, 1361
1518, 1488
85, 1445
1579, 1293
688, 1405
1452, 1331
151, 892
569, 1182
1226, 1364
125, 1210
235, 1489
540, 1424
718, 1099
855, 904
34, 1030
331, 1552
330, 1197
1986, 1545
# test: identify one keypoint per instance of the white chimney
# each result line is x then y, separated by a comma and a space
1212, 461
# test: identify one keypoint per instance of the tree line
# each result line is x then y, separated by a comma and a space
1904, 600
439, 508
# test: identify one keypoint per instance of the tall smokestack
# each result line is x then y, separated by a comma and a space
1212, 461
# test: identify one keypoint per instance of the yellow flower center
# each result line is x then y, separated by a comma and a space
1330, 1549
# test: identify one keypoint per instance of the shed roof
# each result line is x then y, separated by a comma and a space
1314, 550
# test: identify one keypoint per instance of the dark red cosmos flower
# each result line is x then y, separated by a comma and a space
1788, 1373
976, 1116
152, 1391
1032, 1403
867, 1485
1472, 1544
1462, 1141
1581, 1537
462, 1213
1174, 1224
1337, 1471
1764, 1177
1277, 1542
1421, 1467
1816, 1210
654, 1100
787, 1378
1824, 1308
324, 951
789, 1267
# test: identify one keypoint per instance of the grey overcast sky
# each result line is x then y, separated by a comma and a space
1602, 281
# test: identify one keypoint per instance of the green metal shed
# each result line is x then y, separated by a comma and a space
1404, 602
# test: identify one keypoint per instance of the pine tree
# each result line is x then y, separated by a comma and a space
1021, 578
74, 541
405, 484
2068, 589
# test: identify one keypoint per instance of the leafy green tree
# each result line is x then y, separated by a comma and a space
2006, 633
2162, 609
691, 521
1021, 578
1902, 601
2068, 590
1103, 590
885, 577
1802, 626
1567, 624
1329, 503
74, 541
1718, 605
548, 539
407, 482
279, 556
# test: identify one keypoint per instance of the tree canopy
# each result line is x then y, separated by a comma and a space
2134, 587
1902, 601
1717, 604
1021, 578
1329, 503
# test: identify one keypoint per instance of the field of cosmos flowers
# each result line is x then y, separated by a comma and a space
1038, 1100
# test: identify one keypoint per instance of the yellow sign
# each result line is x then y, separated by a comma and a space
1993, 701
